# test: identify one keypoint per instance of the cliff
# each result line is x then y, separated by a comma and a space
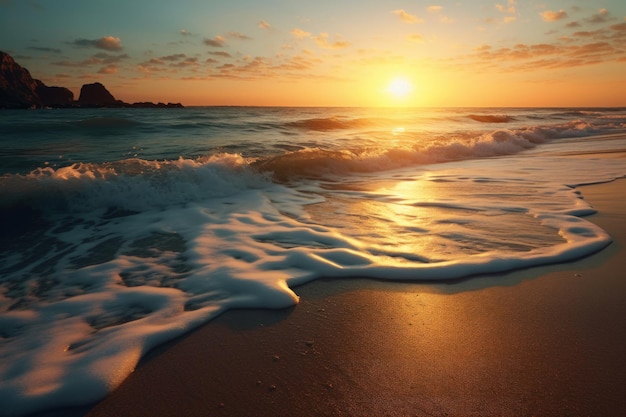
17, 87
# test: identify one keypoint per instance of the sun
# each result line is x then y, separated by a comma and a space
399, 87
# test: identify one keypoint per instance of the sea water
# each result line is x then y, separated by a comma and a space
124, 228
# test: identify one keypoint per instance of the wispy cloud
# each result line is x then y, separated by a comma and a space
437, 10
222, 54
174, 57
101, 58
185, 32
602, 16
323, 41
552, 16
264, 25
509, 7
239, 36
109, 43
407, 17
546, 56
108, 70
44, 49
216, 42
300, 34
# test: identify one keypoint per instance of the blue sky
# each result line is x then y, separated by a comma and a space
326, 52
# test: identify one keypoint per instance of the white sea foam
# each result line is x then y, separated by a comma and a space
125, 255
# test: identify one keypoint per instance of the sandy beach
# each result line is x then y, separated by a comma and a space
547, 341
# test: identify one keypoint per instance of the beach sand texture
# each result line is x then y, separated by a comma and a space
548, 341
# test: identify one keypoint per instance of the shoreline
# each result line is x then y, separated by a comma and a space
543, 341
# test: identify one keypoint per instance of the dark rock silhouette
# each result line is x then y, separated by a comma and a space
18, 90
96, 95
54, 96
17, 87
150, 105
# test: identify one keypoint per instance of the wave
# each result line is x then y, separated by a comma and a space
318, 162
491, 118
129, 185
138, 185
332, 123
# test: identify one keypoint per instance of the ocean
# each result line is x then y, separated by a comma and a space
122, 229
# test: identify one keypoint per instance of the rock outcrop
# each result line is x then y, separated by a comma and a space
18, 90
17, 87
54, 96
96, 95
150, 105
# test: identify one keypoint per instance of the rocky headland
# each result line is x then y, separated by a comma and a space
19, 90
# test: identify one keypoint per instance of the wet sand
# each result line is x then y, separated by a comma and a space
547, 341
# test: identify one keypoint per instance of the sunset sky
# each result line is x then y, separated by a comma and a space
327, 53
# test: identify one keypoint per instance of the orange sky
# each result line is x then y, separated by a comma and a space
277, 52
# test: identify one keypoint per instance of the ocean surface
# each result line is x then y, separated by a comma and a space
125, 228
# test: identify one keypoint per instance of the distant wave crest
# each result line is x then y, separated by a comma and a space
331, 123
491, 118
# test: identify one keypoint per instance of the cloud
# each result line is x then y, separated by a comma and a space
602, 16
223, 54
174, 57
551, 16
187, 62
434, 9
184, 32
216, 42
322, 41
407, 17
110, 59
101, 58
109, 43
545, 56
620, 27
264, 25
108, 70
300, 34
163, 60
239, 36
509, 19
44, 49
508, 8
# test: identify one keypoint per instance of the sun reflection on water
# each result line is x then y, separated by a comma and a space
428, 220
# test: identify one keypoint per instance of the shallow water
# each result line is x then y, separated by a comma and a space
124, 228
